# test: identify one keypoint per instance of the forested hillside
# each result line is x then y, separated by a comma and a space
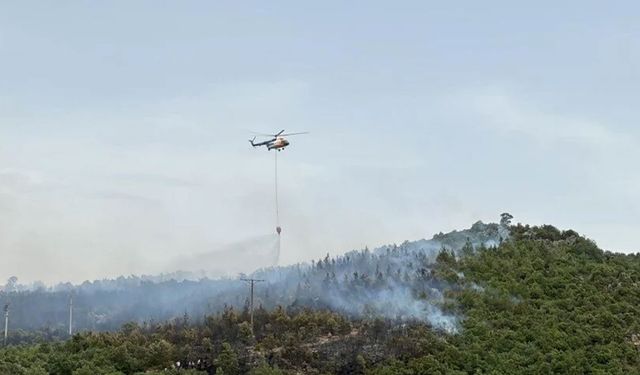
390, 281
543, 301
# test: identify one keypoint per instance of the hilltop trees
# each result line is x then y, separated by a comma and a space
505, 219
11, 284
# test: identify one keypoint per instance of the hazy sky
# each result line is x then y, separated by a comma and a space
124, 126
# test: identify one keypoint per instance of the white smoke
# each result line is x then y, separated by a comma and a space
396, 302
230, 259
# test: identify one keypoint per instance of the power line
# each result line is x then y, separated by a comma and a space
6, 323
71, 315
251, 283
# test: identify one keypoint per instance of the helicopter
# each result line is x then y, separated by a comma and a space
277, 141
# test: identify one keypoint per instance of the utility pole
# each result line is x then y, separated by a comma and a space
251, 283
71, 315
6, 323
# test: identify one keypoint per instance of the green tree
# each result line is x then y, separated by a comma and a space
160, 354
228, 360
265, 370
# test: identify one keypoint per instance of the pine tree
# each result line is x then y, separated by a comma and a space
227, 361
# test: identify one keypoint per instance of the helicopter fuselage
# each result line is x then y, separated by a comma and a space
278, 144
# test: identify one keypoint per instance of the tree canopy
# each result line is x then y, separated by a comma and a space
544, 301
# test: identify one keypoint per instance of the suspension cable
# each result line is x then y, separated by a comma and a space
276, 186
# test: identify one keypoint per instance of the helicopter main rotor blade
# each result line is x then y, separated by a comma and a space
268, 135
280, 133
263, 134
